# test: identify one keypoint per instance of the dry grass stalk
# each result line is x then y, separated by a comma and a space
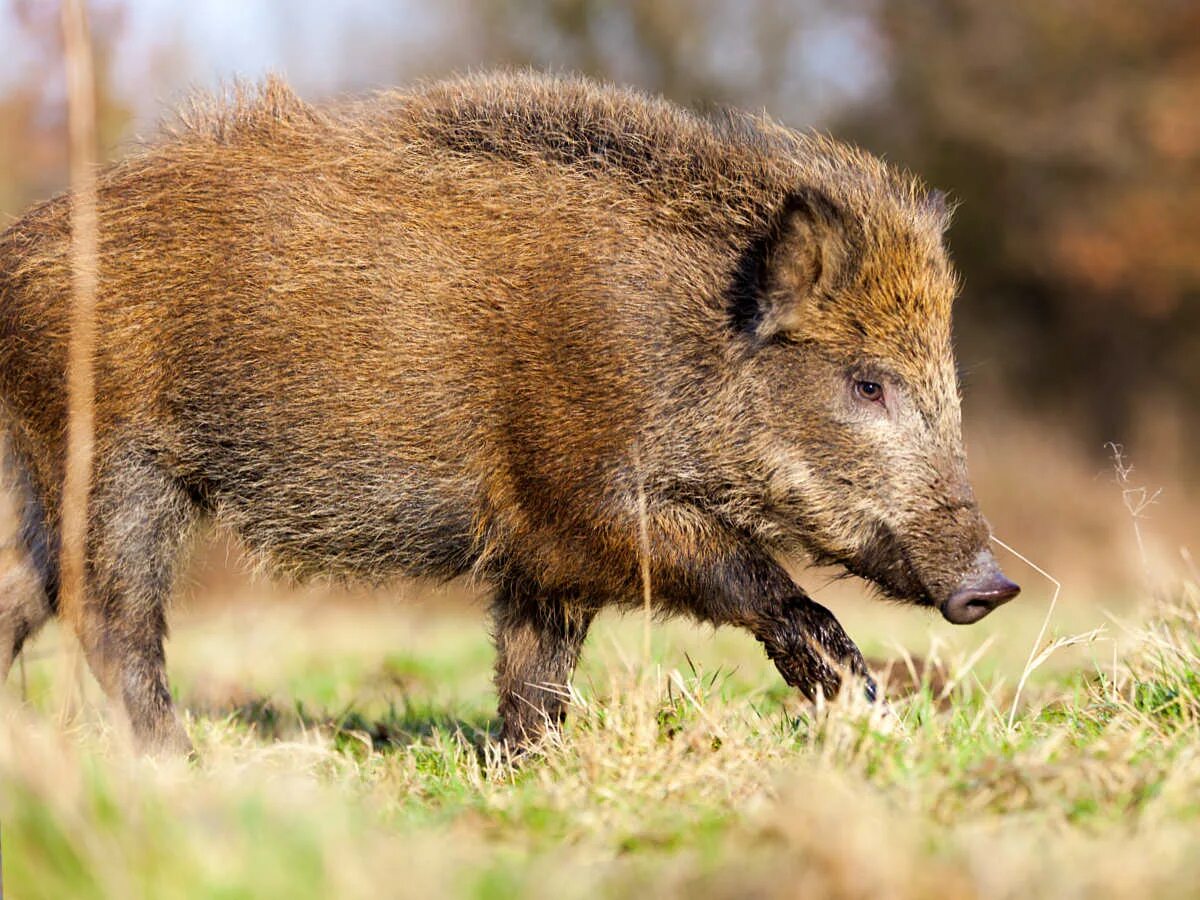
1136, 499
1037, 654
81, 100
644, 561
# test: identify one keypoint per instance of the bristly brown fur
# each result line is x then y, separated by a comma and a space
429, 332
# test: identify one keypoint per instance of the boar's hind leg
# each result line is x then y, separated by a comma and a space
538, 639
25, 604
28, 576
138, 519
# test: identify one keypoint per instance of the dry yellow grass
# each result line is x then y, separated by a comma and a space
345, 752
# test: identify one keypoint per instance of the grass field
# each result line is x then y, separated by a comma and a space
344, 752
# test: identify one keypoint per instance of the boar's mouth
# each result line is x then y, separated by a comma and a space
884, 561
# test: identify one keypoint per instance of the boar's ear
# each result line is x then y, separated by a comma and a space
806, 250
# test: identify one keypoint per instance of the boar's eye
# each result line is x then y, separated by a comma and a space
871, 391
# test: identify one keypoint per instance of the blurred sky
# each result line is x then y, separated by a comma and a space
163, 47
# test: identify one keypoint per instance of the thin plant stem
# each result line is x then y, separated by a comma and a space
81, 102
644, 548
1033, 662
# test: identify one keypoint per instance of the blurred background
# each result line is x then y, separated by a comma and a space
1068, 132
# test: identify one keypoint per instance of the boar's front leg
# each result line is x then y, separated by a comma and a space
727, 582
808, 646
538, 638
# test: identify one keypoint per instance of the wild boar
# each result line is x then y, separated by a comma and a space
545, 331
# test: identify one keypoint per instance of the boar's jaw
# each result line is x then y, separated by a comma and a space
884, 561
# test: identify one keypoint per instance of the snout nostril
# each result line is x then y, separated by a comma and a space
971, 603
1001, 590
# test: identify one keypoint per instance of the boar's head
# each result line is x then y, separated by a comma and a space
845, 314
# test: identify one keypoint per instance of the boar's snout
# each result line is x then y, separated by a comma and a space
982, 589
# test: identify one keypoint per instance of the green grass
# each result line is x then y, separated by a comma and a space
345, 751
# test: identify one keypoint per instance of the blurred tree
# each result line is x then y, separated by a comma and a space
33, 125
1070, 133
757, 54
